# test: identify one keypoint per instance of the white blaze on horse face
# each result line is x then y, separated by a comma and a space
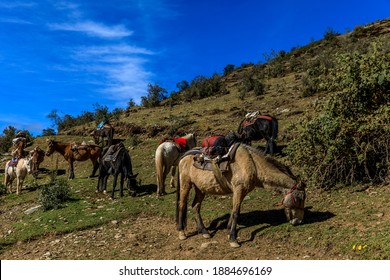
294, 203
294, 215
29, 165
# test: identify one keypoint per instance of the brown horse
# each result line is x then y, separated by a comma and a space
106, 131
249, 168
73, 153
37, 156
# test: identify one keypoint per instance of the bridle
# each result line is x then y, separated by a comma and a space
294, 204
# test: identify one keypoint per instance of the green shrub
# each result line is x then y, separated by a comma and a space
53, 195
349, 141
359, 32
228, 69
3, 189
247, 83
258, 88
330, 34
134, 139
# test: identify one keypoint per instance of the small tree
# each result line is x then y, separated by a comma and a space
54, 117
330, 34
101, 112
182, 85
131, 103
228, 69
116, 114
48, 132
156, 94
6, 140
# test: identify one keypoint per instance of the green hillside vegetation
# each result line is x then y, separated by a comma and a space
331, 98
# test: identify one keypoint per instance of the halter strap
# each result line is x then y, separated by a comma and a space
280, 203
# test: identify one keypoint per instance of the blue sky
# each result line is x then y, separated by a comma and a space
69, 55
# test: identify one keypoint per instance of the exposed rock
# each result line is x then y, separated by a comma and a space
33, 209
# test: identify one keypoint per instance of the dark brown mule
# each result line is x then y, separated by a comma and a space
116, 160
73, 153
248, 169
37, 156
258, 128
106, 131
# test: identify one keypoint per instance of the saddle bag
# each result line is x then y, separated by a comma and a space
214, 146
204, 162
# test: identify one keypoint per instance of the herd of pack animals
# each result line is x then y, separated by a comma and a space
223, 164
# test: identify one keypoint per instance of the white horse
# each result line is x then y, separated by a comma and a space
167, 157
19, 172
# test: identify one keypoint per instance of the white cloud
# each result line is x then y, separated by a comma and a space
125, 74
17, 4
119, 69
118, 49
94, 29
14, 20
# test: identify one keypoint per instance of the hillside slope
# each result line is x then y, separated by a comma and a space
287, 80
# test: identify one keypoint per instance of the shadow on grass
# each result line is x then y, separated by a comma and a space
267, 218
45, 171
146, 189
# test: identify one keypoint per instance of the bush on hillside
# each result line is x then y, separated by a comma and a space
3, 189
53, 195
228, 69
349, 141
202, 87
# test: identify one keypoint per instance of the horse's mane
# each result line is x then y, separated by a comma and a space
283, 168
280, 166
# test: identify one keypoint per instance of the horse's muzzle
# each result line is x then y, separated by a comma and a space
296, 221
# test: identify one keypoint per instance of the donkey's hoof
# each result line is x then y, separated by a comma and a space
206, 235
182, 235
234, 244
160, 195
133, 194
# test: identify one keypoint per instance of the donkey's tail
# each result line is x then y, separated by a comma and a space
275, 128
180, 223
159, 169
110, 136
240, 128
177, 194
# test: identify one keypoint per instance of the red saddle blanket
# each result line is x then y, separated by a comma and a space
13, 162
180, 142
